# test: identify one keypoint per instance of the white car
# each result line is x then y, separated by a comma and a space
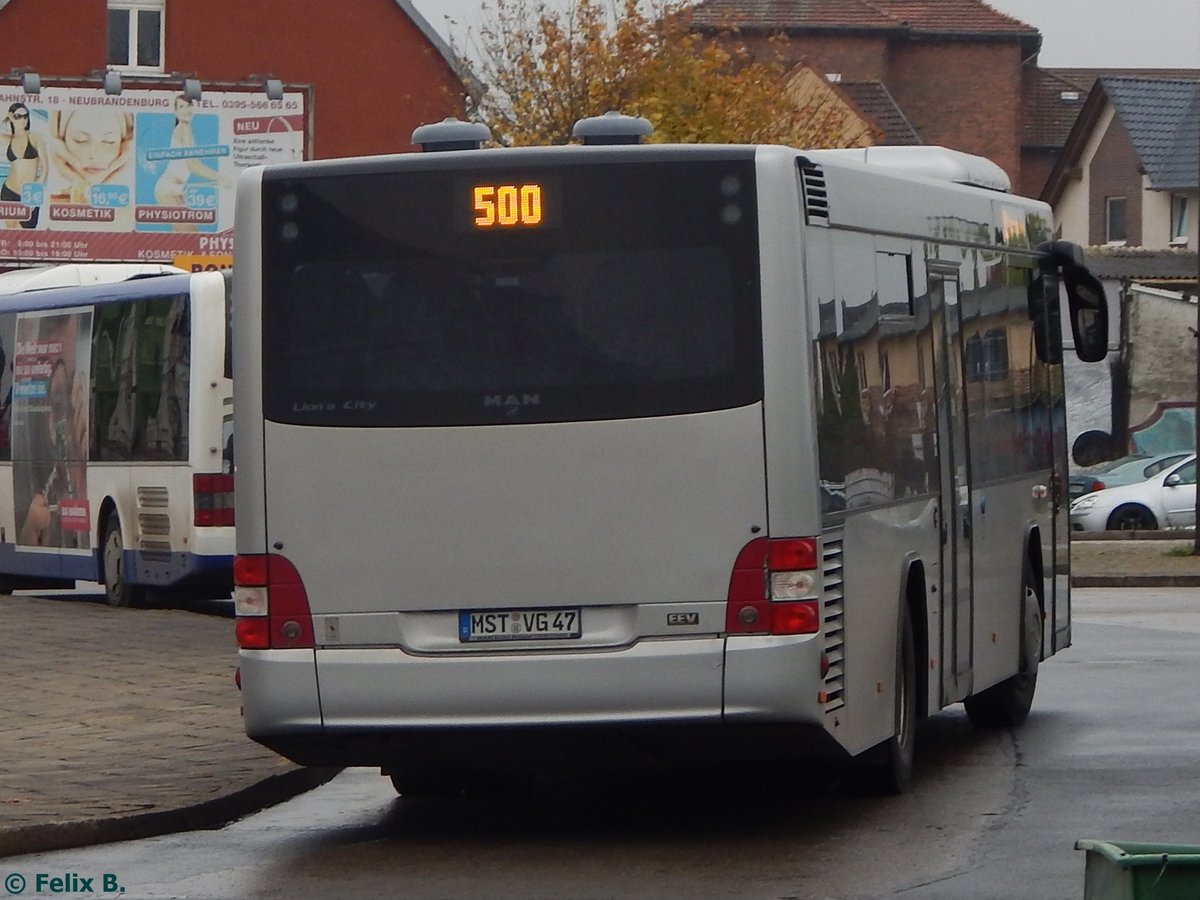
1165, 500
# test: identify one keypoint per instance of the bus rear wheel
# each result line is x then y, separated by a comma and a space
1008, 702
887, 768
117, 589
426, 785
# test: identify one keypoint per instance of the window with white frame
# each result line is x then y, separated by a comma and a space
135, 34
1179, 219
1114, 220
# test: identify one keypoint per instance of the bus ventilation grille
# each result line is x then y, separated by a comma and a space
816, 197
152, 497
155, 524
833, 622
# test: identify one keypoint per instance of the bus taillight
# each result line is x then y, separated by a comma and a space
773, 588
270, 603
212, 499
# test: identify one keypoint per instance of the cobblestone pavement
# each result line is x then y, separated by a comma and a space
122, 722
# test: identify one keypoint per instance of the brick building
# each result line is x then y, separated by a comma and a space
954, 69
376, 68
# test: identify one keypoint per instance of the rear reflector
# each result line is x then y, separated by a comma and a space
270, 603
212, 500
773, 588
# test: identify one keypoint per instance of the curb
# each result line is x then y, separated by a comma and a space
1179, 534
1135, 581
210, 814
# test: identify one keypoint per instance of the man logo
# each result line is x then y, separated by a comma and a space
511, 403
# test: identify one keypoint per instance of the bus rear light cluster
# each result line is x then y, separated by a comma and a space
212, 499
270, 603
773, 588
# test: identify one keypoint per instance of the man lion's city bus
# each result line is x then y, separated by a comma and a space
116, 430
567, 457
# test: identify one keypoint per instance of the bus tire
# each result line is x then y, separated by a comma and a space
117, 590
1008, 703
887, 768
426, 785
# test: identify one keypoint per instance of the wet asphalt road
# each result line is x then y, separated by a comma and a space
1110, 751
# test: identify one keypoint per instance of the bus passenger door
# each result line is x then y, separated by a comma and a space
957, 527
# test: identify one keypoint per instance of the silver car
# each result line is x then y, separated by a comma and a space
1165, 500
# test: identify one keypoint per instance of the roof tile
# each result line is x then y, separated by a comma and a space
876, 102
922, 16
1055, 96
1142, 262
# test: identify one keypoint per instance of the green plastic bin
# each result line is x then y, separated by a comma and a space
1127, 870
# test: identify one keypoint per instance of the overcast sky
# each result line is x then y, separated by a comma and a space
1085, 33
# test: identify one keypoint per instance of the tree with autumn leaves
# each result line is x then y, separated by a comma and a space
545, 68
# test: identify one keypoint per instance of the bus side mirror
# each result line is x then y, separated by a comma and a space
1085, 300
1089, 314
1045, 315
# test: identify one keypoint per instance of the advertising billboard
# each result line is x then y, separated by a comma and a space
140, 176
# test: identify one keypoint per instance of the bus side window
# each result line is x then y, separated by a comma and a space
8, 331
141, 363
166, 428
106, 383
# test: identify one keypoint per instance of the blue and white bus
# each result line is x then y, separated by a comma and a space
116, 430
564, 456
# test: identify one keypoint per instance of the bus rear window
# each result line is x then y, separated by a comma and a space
426, 298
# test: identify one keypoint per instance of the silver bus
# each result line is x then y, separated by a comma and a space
556, 458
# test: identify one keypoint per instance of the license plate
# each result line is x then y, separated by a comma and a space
518, 624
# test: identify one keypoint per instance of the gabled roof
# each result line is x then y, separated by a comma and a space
954, 16
926, 17
876, 102
1083, 79
771, 15
1055, 97
1162, 119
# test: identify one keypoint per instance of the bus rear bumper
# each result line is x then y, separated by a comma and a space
650, 680
375, 705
